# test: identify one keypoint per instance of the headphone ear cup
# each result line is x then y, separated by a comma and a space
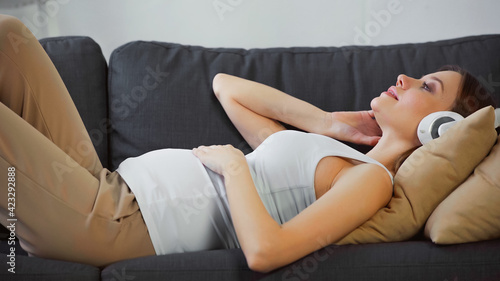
435, 124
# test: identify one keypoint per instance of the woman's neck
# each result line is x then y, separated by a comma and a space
388, 150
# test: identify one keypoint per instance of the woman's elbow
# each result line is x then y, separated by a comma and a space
218, 83
259, 263
262, 259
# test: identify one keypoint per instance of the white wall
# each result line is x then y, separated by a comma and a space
259, 23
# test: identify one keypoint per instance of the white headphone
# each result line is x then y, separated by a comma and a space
435, 124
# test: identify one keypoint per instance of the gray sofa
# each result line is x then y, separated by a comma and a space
155, 95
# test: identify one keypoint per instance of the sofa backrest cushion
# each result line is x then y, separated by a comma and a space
81, 64
160, 93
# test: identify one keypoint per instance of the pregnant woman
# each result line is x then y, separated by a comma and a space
295, 193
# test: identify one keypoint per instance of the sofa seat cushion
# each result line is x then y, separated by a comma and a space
33, 268
414, 260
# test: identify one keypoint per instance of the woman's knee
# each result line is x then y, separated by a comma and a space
13, 32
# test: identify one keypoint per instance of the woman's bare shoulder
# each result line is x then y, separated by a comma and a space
370, 175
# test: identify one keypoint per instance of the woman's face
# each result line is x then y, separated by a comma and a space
401, 108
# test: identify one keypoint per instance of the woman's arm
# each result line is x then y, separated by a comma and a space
268, 245
253, 224
255, 110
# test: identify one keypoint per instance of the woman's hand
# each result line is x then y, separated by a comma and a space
354, 126
222, 159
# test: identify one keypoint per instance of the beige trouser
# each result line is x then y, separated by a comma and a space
67, 206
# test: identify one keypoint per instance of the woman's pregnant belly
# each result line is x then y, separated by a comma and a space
182, 208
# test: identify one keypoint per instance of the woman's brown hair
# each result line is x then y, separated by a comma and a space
471, 96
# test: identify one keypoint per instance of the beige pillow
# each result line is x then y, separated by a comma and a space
471, 212
427, 177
